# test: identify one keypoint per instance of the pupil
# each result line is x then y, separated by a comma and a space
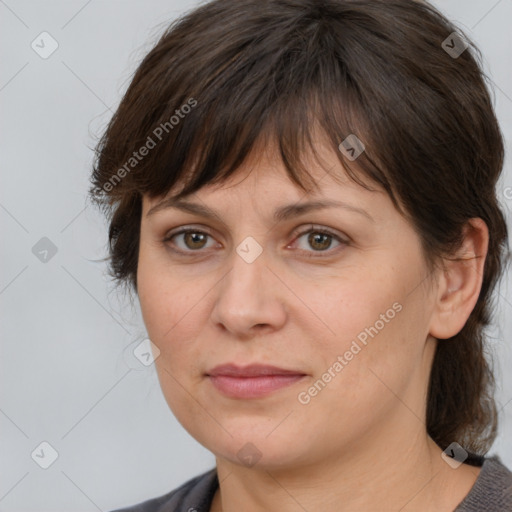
196, 237
315, 237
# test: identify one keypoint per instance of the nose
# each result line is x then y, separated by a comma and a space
250, 299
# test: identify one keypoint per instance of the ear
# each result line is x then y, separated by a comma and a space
460, 281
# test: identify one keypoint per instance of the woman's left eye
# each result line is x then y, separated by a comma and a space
194, 240
320, 239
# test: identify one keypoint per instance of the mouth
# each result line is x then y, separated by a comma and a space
253, 381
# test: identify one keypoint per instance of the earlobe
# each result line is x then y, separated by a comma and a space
460, 281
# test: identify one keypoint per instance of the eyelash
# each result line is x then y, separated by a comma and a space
312, 229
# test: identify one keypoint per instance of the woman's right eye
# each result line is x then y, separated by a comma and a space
192, 240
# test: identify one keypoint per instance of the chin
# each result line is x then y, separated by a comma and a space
252, 448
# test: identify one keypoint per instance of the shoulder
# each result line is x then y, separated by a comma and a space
195, 495
492, 490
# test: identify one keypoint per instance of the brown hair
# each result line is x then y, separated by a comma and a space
230, 74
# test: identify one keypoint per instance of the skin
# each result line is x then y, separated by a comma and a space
360, 443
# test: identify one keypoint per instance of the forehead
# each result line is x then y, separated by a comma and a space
263, 185
264, 174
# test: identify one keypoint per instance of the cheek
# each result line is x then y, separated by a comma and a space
373, 327
173, 309
161, 295
357, 305
170, 315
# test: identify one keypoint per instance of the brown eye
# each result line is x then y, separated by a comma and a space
194, 240
320, 241
188, 240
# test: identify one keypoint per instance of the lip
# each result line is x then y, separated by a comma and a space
253, 381
252, 370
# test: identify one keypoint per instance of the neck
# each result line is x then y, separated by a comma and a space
406, 474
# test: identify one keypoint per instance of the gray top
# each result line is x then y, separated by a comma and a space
491, 492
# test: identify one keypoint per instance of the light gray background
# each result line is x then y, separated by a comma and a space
68, 375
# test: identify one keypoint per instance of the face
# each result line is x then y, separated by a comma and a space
338, 296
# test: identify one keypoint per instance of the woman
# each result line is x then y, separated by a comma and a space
302, 194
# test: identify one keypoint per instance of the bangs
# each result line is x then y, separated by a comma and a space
292, 125
247, 99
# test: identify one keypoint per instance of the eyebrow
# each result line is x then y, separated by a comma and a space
280, 214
